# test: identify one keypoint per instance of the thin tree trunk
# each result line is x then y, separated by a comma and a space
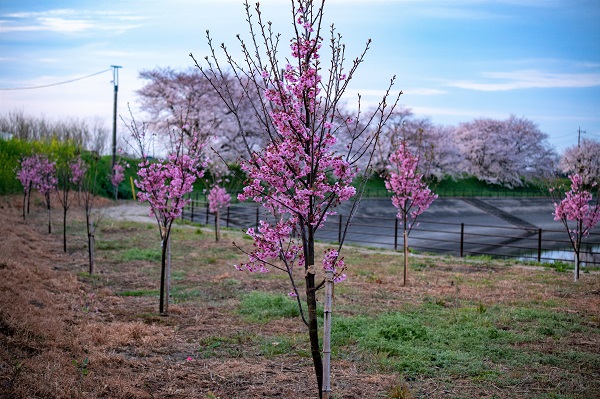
24, 203
29, 197
217, 226
576, 271
91, 243
311, 302
64, 229
327, 334
49, 219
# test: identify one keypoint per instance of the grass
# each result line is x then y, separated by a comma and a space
262, 307
472, 341
472, 327
152, 254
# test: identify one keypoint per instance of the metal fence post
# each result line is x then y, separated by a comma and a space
227, 222
340, 229
395, 234
257, 218
192, 210
539, 245
462, 239
206, 212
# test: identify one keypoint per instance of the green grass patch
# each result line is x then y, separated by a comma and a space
433, 340
150, 254
261, 307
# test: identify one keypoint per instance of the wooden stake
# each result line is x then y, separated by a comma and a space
327, 334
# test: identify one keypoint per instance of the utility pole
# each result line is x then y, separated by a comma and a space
579, 131
579, 166
114, 135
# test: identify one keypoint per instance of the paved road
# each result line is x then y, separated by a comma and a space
501, 226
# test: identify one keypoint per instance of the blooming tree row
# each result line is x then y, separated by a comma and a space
39, 173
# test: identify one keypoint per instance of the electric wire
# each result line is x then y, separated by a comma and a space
55, 84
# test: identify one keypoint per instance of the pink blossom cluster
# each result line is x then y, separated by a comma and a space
118, 174
38, 172
218, 199
78, 169
27, 172
575, 207
164, 183
272, 241
411, 196
332, 262
297, 177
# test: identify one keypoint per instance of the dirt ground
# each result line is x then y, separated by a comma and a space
64, 335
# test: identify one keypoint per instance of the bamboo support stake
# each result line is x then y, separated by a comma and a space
132, 188
327, 334
405, 257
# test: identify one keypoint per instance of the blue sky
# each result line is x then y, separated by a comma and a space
455, 60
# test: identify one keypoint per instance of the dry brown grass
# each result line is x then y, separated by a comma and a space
63, 335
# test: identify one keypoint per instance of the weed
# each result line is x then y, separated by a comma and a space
82, 367
400, 391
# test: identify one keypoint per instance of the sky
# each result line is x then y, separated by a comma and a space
454, 60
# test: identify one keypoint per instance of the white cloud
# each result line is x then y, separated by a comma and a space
66, 21
424, 92
529, 79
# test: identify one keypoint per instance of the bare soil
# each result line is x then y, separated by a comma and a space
65, 335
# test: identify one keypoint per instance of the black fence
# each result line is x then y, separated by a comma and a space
457, 239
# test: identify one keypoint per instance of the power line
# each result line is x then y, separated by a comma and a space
55, 84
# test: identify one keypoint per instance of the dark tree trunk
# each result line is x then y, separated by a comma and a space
24, 203
49, 219
313, 330
91, 243
311, 302
64, 229
217, 226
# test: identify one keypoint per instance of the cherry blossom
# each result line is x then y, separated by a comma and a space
410, 194
576, 207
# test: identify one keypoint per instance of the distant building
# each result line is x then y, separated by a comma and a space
6, 136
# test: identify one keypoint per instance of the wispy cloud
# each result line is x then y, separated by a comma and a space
529, 79
66, 21
423, 91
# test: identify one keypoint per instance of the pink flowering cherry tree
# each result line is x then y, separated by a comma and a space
78, 172
577, 213
410, 194
117, 176
45, 182
218, 198
88, 181
164, 184
27, 174
298, 177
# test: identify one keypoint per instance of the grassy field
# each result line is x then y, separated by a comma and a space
462, 328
